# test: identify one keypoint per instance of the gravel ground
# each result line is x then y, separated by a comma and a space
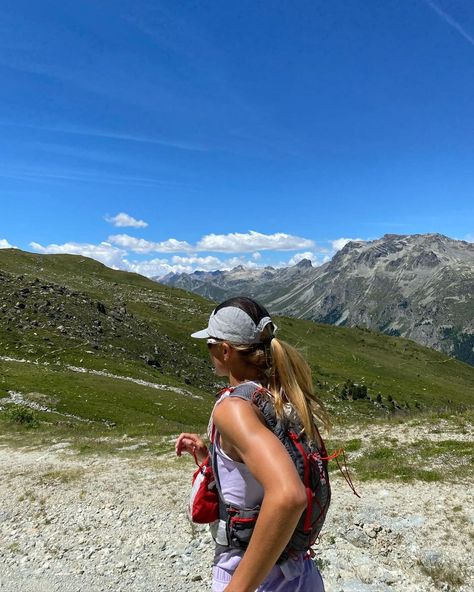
72, 524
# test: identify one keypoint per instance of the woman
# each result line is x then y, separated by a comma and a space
253, 466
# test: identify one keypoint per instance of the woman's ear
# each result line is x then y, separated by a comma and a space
226, 350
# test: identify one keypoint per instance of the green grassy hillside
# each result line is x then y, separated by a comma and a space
103, 353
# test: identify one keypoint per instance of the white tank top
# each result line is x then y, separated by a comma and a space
239, 487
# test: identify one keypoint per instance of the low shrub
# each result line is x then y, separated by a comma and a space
22, 415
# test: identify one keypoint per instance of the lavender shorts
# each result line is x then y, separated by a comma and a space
308, 580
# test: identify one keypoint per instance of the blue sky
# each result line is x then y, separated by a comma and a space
180, 135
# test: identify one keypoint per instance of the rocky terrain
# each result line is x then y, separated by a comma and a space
70, 523
415, 286
49, 317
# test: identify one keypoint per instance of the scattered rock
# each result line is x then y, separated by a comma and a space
122, 526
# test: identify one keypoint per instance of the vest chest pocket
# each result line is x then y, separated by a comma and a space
240, 525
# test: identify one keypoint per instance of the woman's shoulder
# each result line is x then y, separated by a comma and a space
234, 416
231, 405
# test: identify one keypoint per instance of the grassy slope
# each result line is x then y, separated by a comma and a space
157, 324
389, 365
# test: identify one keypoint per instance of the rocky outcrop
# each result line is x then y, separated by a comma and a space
40, 319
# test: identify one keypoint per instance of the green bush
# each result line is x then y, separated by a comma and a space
353, 391
23, 415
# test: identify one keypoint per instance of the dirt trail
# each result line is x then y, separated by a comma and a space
70, 523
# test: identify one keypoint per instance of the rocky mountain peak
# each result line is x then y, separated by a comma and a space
350, 246
397, 251
304, 264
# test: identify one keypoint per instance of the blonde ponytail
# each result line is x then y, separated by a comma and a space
287, 375
291, 379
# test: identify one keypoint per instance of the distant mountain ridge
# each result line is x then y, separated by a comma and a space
111, 348
416, 286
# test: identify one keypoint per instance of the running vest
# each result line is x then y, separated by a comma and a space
236, 523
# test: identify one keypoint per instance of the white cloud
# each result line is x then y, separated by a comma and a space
211, 263
243, 249
340, 243
469, 238
151, 267
104, 252
115, 257
178, 264
140, 245
217, 243
280, 264
204, 263
300, 256
236, 261
4, 244
252, 241
123, 220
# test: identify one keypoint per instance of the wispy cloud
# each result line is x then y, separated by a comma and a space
109, 134
65, 174
112, 135
450, 20
124, 220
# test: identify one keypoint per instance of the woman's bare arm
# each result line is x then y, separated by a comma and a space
247, 439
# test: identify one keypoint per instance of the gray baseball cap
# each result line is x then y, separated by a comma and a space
233, 324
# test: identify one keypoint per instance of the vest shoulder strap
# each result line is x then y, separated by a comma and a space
244, 390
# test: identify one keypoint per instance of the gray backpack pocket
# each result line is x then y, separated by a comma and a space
240, 525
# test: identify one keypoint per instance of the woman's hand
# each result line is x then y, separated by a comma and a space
192, 444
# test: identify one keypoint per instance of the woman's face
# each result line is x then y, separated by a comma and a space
218, 354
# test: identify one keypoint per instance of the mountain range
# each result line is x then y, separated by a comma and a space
416, 286
97, 352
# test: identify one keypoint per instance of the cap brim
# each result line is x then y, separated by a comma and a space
204, 334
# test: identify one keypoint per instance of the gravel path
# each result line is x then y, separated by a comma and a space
75, 524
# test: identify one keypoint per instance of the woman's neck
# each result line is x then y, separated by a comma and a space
235, 380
